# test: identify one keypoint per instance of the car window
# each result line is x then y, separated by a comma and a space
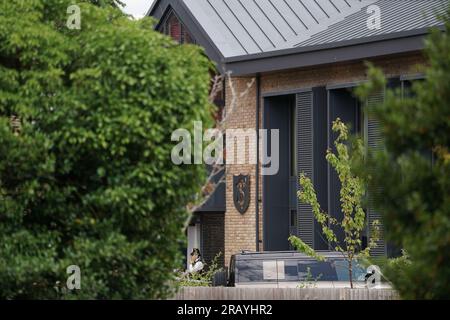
249, 270
290, 270
257, 270
312, 270
286, 270
359, 272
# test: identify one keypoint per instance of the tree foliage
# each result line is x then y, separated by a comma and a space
412, 173
86, 177
351, 197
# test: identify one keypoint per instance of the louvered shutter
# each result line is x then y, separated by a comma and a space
374, 142
305, 151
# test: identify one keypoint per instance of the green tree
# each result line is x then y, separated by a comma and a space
86, 176
104, 3
351, 195
412, 190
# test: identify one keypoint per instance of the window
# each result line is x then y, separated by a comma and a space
342, 271
250, 270
290, 270
316, 271
173, 27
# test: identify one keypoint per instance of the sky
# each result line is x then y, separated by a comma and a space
137, 8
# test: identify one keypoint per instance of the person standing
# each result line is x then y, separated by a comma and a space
196, 264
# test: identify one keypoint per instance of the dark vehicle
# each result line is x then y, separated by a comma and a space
292, 270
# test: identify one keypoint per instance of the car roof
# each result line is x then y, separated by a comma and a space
252, 255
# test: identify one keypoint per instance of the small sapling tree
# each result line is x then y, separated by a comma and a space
351, 196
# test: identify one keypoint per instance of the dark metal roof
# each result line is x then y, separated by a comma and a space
396, 16
250, 36
239, 27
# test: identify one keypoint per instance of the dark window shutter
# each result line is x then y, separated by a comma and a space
374, 142
343, 105
305, 149
320, 135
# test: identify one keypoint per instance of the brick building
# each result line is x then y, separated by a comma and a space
306, 57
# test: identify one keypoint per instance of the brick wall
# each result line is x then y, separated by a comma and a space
240, 231
240, 228
339, 73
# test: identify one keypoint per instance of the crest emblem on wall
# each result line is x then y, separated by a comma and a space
241, 192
